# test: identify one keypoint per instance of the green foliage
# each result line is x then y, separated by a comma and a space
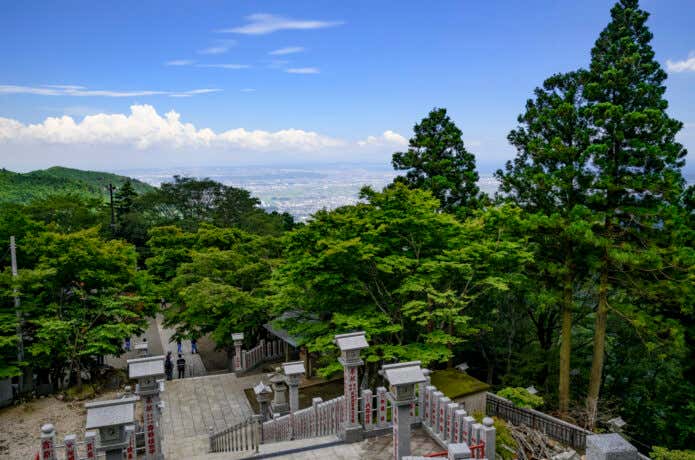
398, 269
24, 188
521, 397
662, 453
77, 301
436, 160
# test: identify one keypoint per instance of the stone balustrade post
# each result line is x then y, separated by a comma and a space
421, 391
459, 415
130, 452
434, 409
381, 407
367, 408
90, 442
69, 441
48, 442
488, 434
441, 417
315, 422
468, 423
451, 408
459, 452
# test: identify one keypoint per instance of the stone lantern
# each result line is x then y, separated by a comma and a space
350, 346
402, 378
238, 339
263, 394
111, 418
149, 372
279, 404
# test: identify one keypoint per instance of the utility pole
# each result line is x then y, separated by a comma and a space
113, 215
20, 338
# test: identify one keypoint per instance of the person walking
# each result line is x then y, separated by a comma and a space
127, 344
181, 366
179, 348
169, 366
194, 346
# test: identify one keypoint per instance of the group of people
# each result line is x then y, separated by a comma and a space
180, 361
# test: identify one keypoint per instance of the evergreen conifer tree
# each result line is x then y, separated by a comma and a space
436, 160
636, 162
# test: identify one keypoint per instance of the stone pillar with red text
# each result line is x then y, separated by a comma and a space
350, 346
48, 442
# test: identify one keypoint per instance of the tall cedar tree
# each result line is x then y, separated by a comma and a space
637, 164
436, 160
549, 179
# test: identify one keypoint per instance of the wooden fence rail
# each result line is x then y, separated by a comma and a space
567, 433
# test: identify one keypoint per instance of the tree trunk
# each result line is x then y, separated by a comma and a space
599, 349
450, 363
565, 342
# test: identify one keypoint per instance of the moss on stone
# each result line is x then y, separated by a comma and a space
455, 384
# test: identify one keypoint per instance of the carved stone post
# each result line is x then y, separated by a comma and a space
48, 442
421, 390
238, 338
459, 452
70, 447
90, 443
293, 375
402, 378
350, 346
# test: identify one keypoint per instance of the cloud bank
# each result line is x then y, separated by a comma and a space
143, 135
685, 65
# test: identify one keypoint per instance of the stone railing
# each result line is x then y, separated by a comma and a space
71, 448
448, 423
567, 433
323, 418
242, 437
265, 351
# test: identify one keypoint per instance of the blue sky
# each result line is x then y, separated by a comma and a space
263, 82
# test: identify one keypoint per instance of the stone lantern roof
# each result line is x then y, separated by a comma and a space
117, 412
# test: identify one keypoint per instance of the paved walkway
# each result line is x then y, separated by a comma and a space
194, 365
193, 405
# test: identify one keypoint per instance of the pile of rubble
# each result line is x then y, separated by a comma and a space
534, 445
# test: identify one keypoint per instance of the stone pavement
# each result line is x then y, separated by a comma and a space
192, 405
194, 365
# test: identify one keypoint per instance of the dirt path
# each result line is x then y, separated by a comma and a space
20, 426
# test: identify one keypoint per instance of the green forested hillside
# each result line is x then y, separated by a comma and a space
23, 188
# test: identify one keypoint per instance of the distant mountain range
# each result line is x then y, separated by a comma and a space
25, 187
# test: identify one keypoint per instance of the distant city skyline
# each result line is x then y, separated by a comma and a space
208, 83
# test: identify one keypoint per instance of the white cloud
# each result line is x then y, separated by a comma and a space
144, 128
81, 91
179, 62
220, 47
260, 24
225, 66
686, 65
387, 138
303, 70
286, 50
247, 90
